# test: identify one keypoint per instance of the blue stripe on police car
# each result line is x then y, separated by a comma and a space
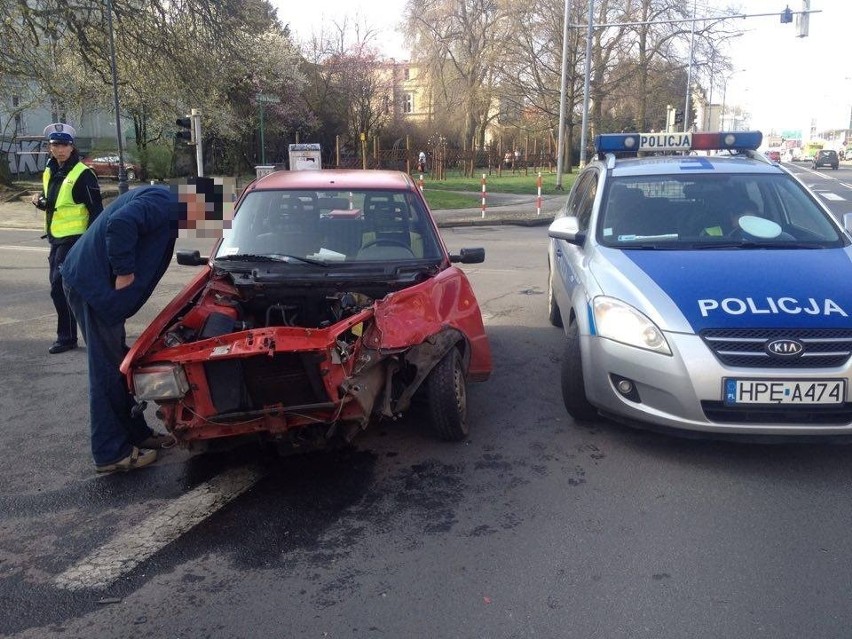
754, 288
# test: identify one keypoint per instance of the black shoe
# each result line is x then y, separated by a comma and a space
59, 347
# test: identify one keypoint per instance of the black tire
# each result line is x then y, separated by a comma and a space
447, 392
573, 385
131, 175
554, 316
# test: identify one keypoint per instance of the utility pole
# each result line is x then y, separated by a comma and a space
588, 73
560, 147
199, 153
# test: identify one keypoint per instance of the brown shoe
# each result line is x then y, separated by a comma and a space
158, 441
136, 459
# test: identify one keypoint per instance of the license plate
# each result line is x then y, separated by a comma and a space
788, 391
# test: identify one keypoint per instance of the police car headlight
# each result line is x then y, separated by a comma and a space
160, 383
621, 322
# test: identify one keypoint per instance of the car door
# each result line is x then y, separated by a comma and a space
566, 256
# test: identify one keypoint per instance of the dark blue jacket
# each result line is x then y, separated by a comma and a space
135, 234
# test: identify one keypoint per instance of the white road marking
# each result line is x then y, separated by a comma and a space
123, 553
38, 249
833, 196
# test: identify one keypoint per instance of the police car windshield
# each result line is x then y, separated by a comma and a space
706, 210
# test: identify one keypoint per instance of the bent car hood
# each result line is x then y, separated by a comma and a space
745, 288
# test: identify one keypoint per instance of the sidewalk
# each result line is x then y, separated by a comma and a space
16, 211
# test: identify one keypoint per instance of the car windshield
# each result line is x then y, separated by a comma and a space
712, 211
330, 226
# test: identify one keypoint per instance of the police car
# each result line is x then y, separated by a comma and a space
705, 291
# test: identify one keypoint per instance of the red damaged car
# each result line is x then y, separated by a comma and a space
331, 301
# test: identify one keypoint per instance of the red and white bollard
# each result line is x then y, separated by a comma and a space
483, 196
538, 198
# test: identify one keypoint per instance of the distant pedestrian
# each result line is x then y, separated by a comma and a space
71, 200
421, 162
109, 274
508, 159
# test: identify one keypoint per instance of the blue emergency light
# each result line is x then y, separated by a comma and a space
652, 142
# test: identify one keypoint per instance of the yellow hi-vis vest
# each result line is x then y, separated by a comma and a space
69, 218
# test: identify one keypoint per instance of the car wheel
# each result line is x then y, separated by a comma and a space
447, 392
131, 175
573, 385
553, 314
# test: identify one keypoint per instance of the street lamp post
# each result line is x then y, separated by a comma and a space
724, 95
560, 145
264, 98
122, 174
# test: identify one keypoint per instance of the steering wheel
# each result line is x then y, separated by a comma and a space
387, 241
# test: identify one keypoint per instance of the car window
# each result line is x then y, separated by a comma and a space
696, 210
578, 192
586, 205
332, 226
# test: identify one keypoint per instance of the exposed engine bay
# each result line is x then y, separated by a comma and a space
222, 309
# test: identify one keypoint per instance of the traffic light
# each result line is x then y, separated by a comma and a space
678, 117
786, 15
187, 131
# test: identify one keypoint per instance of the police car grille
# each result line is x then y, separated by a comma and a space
804, 415
824, 348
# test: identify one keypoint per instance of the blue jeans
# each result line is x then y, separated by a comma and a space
114, 430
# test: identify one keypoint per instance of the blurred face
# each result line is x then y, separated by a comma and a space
61, 150
195, 206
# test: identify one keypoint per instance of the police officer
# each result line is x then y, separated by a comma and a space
71, 200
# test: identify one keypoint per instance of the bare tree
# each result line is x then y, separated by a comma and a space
460, 45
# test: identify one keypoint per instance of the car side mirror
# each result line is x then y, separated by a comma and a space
568, 229
190, 258
469, 256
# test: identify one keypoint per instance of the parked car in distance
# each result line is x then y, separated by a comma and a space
774, 155
332, 302
106, 166
826, 157
792, 155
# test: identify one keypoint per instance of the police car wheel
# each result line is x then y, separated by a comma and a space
553, 314
447, 392
573, 385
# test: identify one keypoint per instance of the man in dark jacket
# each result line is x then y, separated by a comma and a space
109, 274
71, 200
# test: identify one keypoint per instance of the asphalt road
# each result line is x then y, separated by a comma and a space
534, 527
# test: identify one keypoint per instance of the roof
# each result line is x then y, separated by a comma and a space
663, 165
355, 179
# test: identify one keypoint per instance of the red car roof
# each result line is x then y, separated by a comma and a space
335, 178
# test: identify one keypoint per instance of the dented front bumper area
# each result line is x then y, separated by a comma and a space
290, 384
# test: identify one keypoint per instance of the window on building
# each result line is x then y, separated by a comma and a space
407, 73
408, 103
19, 116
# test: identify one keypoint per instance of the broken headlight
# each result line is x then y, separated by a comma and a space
160, 382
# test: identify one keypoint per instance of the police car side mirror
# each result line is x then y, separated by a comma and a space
847, 222
469, 256
568, 229
190, 258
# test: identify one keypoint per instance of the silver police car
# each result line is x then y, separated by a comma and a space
702, 293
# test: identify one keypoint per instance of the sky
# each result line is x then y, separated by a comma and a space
782, 81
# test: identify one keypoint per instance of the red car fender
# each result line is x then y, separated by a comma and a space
163, 319
408, 317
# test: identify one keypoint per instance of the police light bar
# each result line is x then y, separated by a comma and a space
649, 142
